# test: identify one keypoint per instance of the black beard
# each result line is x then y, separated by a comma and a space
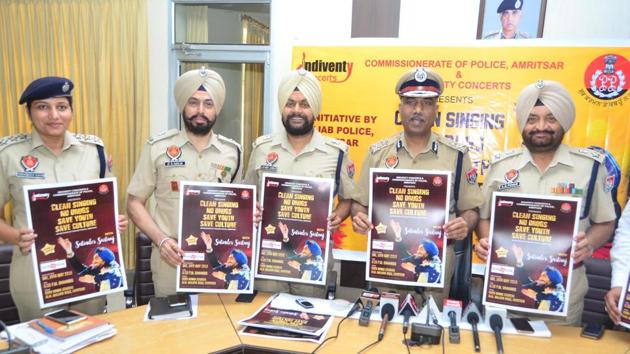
552, 145
305, 129
199, 130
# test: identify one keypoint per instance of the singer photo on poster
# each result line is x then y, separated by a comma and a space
294, 236
531, 241
407, 244
216, 234
78, 249
624, 304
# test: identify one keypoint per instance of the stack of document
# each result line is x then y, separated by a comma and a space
44, 342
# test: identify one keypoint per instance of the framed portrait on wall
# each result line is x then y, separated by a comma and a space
511, 19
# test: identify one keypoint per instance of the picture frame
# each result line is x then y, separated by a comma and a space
530, 22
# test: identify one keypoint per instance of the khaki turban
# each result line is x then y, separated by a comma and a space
553, 95
190, 81
308, 85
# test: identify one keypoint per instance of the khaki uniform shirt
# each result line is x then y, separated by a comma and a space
274, 154
499, 35
78, 161
170, 158
569, 166
440, 154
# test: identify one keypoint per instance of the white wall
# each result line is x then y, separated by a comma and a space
328, 22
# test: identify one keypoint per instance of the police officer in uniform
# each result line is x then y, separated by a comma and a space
60, 156
301, 150
417, 147
195, 153
510, 17
545, 111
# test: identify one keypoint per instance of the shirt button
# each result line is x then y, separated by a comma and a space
200, 156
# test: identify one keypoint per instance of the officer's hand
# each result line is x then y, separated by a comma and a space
361, 224
334, 222
481, 248
26, 237
582, 249
258, 214
610, 304
456, 229
171, 252
122, 223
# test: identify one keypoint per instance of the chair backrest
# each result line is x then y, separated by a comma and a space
143, 278
598, 273
8, 311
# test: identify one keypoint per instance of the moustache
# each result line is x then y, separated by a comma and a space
534, 132
297, 115
199, 115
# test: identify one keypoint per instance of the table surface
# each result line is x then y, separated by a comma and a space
216, 328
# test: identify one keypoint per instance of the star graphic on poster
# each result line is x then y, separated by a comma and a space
380, 228
191, 240
48, 249
502, 252
270, 229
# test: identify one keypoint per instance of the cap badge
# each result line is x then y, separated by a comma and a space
203, 72
420, 75
301, 71
66, 87
540, 84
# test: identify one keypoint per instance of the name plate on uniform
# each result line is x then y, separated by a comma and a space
217, 235
408, 208
77, 254
529, 266
294, 237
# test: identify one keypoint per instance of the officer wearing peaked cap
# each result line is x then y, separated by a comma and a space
417, 147
49, 154
510, 13
300, 150
196, 153
545, 112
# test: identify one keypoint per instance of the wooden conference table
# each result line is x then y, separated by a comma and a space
215, 330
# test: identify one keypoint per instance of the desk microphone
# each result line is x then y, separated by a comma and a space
473, 319
387, 312
496, 323
358, 305
407, 309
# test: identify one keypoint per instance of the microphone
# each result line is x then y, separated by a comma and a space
370, 297
358, 305
407, 309
387, 312
331, 285
496, 323
473, 319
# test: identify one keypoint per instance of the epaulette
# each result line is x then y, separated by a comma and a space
338, 144
262, 140
452, 143
163, 135
374, 148
590, 153
229, 141
90, 139
505, 154
12, 139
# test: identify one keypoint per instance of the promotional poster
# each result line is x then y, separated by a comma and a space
624, 305
531, 240
77, 253
294, 236
216, 234
482, 83
300, 322
408, 209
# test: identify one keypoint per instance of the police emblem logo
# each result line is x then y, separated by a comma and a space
203, 72
351, 169
438, 181
66, 87
540, 84
29, 164
272, 158
245, 194
510, 177
605, 77
301, 71
103, 189
471, 176
517, 4
420, 75
609, 184
565, 207
174, 152
391, 161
